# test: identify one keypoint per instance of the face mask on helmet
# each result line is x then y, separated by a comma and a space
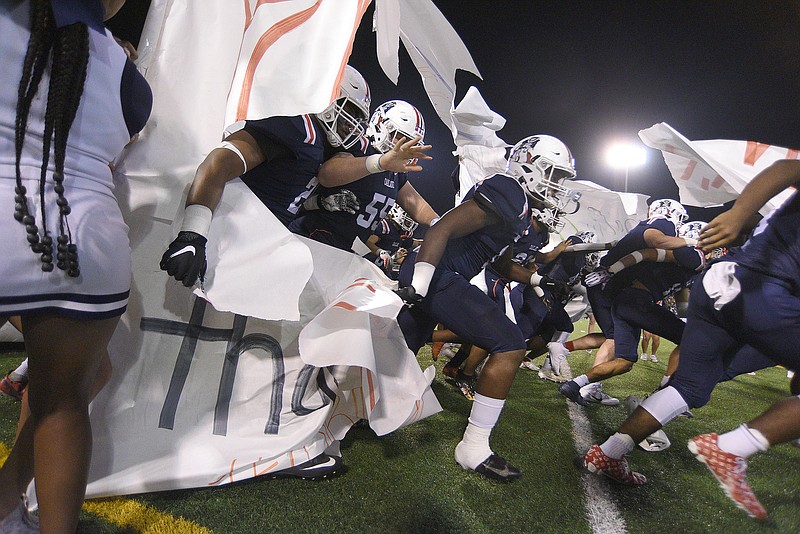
586, 237
540, 163
403, 220
550, 217
394, 121
344, 121
669, 209
691, 229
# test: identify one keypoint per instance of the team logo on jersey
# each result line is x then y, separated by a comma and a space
388, 181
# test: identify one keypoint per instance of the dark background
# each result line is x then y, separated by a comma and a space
594, 72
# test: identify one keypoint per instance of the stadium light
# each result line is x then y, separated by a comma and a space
625, 156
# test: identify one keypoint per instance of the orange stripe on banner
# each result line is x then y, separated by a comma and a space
792, 153
687, 172
362, 7
217, 481
272, 466
344, 305
754, 151
230, 474
371, 387
291, 458
362, 282
305, 450
269, 38
255, 465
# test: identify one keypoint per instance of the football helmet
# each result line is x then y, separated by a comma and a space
403, 220
669, 209
345, 118
586, 236
392, 118
540, 163
691, 229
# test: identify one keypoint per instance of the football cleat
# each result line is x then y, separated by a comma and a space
13, 388
594, 393
548, 374
497, 468
596, 461
528, 364
729, 470
466, 384
572, 391
323, 466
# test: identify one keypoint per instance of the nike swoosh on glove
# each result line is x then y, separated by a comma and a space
185, 258
409, 296
342, 200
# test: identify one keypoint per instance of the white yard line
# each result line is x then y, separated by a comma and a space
601, 511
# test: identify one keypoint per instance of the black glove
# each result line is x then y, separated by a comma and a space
185, 258
553, 285
409, 296
342, 200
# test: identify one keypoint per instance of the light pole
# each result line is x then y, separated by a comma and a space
625, 156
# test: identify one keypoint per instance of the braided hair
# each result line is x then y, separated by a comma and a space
66, 49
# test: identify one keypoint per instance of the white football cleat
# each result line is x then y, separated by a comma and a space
594, 393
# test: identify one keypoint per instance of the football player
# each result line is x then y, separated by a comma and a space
435, 282
747, 298
395, 128
282, 159
391, 240
659, 230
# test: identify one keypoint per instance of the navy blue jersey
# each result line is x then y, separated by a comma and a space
502, 196
660, 279
376, 195
295, 148
774, 248
567, 265
531, 242
634, 240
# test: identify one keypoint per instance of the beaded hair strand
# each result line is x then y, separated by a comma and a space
70, 55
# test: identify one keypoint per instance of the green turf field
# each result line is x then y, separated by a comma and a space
408, 481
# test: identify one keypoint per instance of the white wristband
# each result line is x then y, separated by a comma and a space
373, 164
423, 274
197, 219
538, 291
662, 254
536, 279
618, 266
230, 146
690, 242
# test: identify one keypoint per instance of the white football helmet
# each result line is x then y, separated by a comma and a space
691, 229
392, 118
403, 220
541, 163
345, 118
669, 209
586, 236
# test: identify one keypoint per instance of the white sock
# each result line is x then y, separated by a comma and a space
743, 441
22, 370
581, 380
485, 411
618, 445
474, 446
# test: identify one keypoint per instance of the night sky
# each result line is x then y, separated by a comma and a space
592, 72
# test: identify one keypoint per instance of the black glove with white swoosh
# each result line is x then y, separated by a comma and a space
185, 258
